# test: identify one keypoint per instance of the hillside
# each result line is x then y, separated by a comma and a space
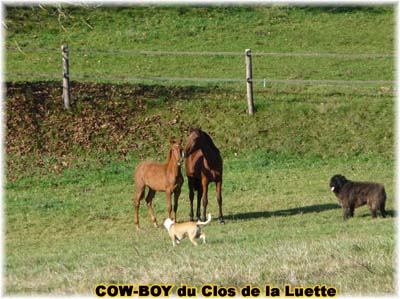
297, 119
137, 121
100, 40
69, 187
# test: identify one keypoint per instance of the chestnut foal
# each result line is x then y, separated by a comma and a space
166, 177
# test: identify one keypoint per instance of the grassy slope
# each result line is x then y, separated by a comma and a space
203, 29
67, 232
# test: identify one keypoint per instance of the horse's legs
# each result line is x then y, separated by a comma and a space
149, 201
218, 186
177, 192
199, 197
204, 184
191, 196
138, 197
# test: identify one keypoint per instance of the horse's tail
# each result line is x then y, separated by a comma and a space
206, 222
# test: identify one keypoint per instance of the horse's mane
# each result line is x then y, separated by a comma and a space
209, 141
169, 155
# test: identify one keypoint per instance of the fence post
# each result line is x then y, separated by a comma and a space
66, 90
249, 82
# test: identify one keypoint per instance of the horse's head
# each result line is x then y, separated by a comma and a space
176, 151
193, 141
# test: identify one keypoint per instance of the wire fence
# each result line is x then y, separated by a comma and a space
211, 53
265, 81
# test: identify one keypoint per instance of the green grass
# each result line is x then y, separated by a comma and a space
282, 226
68, 193
230, 29
138, 120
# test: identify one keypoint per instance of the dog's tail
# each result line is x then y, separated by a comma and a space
205, 222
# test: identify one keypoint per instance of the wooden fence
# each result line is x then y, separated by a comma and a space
248, 80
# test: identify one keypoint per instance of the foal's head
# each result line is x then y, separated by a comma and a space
176, 151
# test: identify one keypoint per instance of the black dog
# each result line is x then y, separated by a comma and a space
352, 195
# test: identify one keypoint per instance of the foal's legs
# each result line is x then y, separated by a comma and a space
149, 201
218, 186
169, 207
177, 192
138, 197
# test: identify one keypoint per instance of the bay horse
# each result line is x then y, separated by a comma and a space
165, 177
203, 165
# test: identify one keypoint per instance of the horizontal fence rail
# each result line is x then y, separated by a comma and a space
225, 80
248, 80
328, 82
196, 53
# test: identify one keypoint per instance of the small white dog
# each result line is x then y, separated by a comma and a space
191, 229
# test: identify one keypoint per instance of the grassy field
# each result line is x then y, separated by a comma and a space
68, 195
65, 235
220, 29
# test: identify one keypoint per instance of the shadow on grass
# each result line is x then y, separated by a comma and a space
288, 212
